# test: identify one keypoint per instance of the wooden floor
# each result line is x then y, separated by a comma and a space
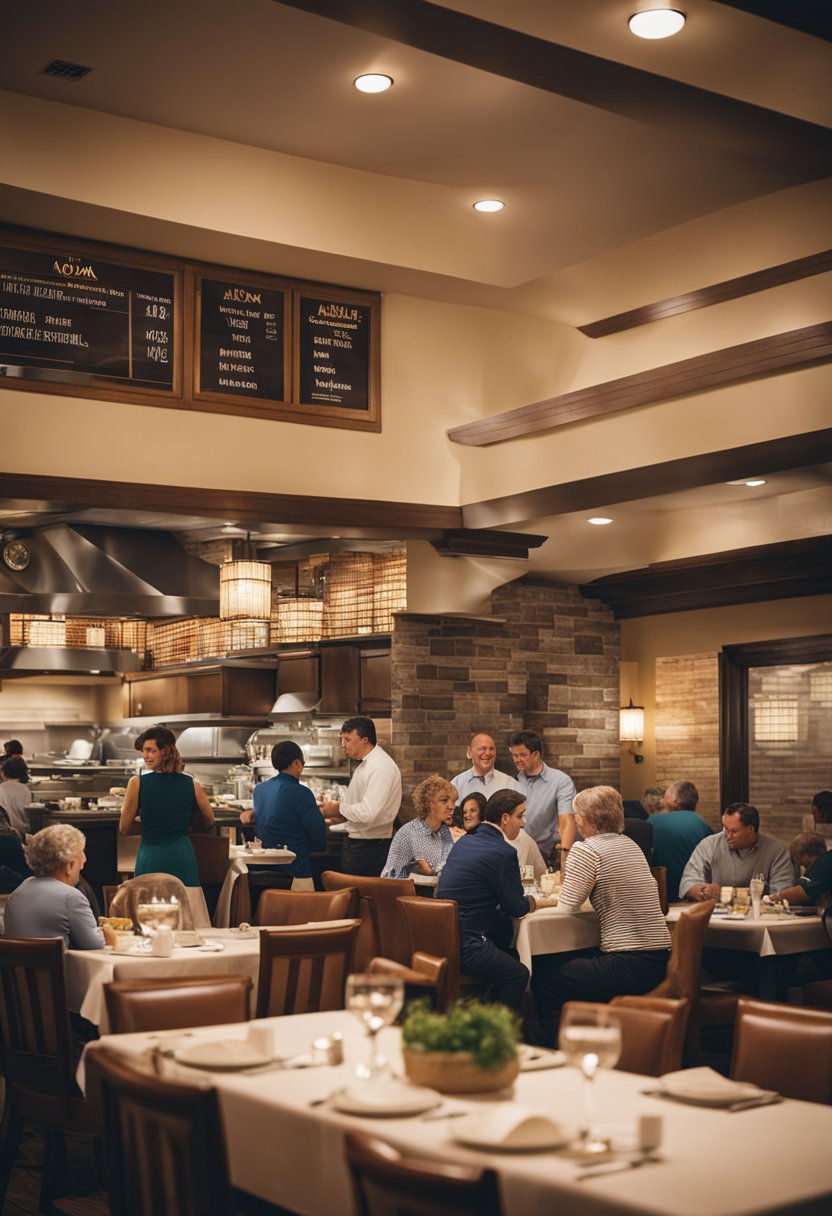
83, 1196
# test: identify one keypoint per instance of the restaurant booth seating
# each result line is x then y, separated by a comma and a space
304, 970
145, 1005
386, 1182
382, 928
39, 1058
301, 907
164, 1142
786, 1048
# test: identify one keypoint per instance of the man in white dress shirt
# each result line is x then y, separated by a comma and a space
370, 803
482, 775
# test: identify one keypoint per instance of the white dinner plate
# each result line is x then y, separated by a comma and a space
387, 1099
510, 1129
221, 1056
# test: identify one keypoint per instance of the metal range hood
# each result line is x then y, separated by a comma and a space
85, 570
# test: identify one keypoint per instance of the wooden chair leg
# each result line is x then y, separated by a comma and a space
54, 1168
11, 1129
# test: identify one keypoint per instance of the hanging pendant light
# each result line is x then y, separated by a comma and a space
246, 588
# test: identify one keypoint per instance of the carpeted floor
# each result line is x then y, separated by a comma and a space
82, 1197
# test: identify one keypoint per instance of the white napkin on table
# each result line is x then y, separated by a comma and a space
706, 1085
510, 1125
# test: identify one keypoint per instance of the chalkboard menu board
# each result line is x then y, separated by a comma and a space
83, 320
334, 336
243, 344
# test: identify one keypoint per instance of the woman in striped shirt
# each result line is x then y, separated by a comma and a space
611, 871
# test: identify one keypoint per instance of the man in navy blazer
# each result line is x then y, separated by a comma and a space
483, 875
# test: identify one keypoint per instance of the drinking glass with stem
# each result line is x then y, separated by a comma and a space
590, 1038
375, 1000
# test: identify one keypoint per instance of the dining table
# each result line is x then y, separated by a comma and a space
240, 859
285, 1136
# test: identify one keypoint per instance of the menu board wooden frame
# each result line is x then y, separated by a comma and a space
357, 311
77, 259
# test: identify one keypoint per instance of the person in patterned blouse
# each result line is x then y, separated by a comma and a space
423, 844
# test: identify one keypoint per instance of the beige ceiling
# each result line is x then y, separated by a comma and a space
586, 186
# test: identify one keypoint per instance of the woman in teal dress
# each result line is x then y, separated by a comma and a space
160, 804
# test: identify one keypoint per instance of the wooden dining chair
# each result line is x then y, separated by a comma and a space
385, 1182
39, 1059
433, 929
164, 1142
144, 1005
382, 928
660, 875
212, 862
300, 907
684, 969
304, 970
787, 1048
427, 976
653, 1032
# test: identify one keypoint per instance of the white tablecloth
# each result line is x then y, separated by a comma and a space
765, 936
290, 1154
549, 931
87, 971
241, 859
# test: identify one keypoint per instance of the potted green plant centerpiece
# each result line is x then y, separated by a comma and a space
472, 1049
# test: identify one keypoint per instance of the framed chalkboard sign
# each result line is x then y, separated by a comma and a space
337, 362
243, 345
79, 320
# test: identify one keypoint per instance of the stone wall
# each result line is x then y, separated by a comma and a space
548, 660
687, 727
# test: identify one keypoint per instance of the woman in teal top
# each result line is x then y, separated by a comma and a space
159, 804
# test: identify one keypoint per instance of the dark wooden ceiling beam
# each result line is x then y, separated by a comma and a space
616, 87
809, 16
716, 369
716, 293
394, 519
741, 576
467, 542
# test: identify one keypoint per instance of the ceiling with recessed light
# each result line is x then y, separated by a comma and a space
728, 110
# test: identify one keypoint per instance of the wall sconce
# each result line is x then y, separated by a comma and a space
631, 727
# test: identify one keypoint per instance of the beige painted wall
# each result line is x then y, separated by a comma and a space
647, 639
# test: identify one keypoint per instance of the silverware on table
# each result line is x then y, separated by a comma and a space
750, 1103
435, 1115
605, 1168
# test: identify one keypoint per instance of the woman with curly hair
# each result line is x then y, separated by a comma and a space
159, 804
422, 846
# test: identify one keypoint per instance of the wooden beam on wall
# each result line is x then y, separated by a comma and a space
716, 293
716, 369
739, 576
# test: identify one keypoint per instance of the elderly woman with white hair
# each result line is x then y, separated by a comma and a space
611, 871
49, 904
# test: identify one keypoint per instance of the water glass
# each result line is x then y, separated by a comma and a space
590, 1038
375, 1000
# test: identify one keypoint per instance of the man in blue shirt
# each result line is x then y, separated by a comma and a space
483, 876
677, 830
549, 795
286, 813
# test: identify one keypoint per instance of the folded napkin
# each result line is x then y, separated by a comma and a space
510, 1126
707, 1086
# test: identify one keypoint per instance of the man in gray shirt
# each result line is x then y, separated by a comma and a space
733, 856
549, 794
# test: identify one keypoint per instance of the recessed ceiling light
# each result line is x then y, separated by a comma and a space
656, 23
751, 482
599, 520
373, 82
489, 204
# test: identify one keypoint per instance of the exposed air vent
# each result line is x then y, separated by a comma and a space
62, 69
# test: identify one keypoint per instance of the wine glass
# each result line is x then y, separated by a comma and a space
375, 1000
154, 911
590, 1038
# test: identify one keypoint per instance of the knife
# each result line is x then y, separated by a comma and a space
619, 1167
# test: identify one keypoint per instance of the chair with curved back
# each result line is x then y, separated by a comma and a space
684, 968
433, 929
386, 1182
653, 1033
660, 875
382, 928
304, 970
786, 1048
39, 1058
301, 907
165, 1142
427, 976
145, 1005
